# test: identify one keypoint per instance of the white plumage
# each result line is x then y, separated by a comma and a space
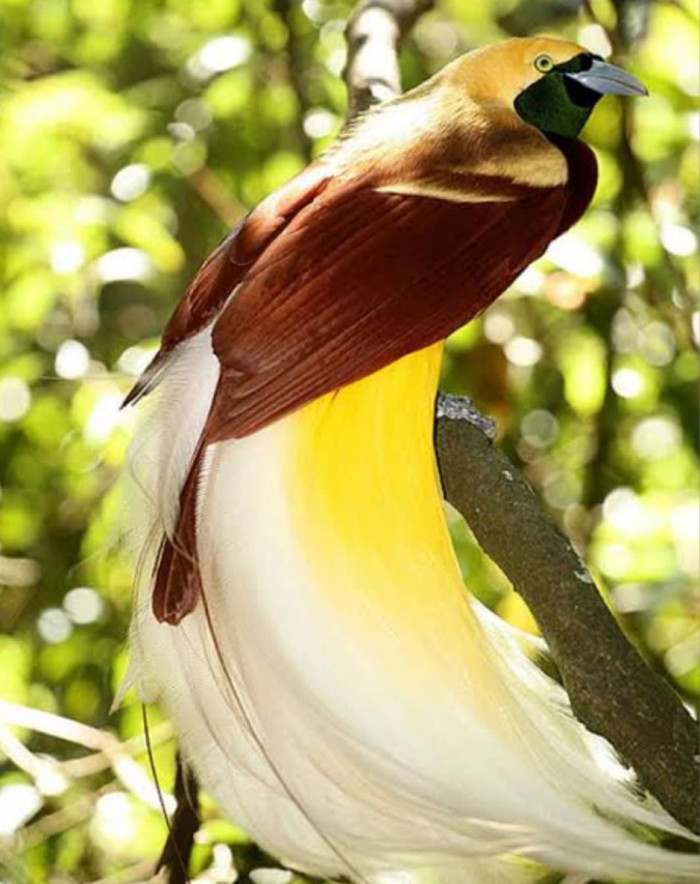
341, 739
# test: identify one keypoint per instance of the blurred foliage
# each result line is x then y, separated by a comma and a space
132, 134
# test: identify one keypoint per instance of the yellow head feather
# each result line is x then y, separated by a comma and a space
497, 74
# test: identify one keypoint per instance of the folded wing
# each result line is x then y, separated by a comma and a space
350, 278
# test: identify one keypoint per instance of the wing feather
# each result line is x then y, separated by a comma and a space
358, 280
352, 276
227, 266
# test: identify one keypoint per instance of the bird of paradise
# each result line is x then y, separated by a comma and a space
300, 610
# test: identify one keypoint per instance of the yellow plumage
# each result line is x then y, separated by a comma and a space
337, 691
367, 511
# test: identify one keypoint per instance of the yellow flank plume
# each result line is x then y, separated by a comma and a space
367, 508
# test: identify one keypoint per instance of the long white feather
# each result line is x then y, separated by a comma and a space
310, 743
174, 415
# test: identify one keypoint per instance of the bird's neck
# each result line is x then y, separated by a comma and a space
436, 130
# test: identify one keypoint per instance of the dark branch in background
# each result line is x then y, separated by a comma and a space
183, 826
297, 66
612, 690
374, 33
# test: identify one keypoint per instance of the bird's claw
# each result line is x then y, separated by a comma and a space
461, 408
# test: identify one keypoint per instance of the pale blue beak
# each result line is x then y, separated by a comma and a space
608, 79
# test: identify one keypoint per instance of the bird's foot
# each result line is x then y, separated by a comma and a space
461, 408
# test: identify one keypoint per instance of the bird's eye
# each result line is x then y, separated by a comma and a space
544, 64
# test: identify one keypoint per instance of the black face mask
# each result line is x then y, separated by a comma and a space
561, 101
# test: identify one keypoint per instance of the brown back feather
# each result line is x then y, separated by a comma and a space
359, 279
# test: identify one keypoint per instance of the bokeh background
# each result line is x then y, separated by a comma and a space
133, 133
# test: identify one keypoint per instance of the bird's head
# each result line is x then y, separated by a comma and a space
551, 84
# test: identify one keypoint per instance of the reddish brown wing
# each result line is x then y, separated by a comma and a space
232, 261
228, 265
177, 584
358, 279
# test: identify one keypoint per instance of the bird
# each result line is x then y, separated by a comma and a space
299, 610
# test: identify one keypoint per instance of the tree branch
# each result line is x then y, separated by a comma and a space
297, 72
374, 32
613, 692
183, 826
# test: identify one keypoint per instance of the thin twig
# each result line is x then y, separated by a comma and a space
129, 772
139, 872
214, 193
78, 811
